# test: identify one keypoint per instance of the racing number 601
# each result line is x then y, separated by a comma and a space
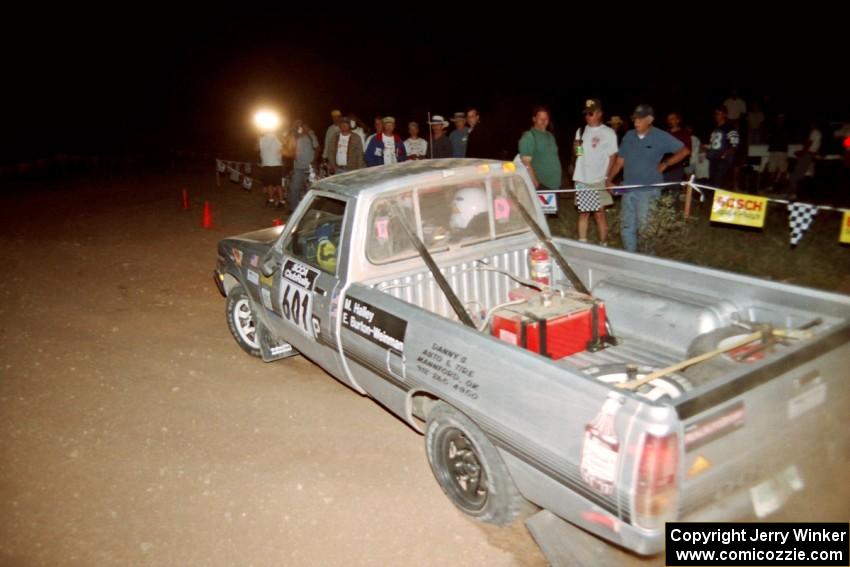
297, 309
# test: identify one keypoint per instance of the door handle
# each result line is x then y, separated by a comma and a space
320, 291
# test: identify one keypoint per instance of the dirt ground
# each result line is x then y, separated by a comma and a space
134, 431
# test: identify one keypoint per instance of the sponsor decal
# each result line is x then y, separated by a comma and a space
548, 202
300, 274
714, 426
844, 236
267, 297
738, 208
600, 452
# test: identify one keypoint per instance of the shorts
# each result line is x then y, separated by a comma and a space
592, 197
271, 175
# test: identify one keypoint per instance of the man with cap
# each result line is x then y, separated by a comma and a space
386, 147
459, 135
416, 147
596, 151
346, 149
441, 146
333, 129
641, 154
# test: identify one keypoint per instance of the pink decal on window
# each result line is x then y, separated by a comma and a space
501, 208
382, 228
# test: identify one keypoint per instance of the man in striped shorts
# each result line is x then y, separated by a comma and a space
596, 151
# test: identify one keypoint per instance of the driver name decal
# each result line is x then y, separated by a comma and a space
380, 327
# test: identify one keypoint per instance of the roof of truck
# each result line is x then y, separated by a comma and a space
377, 179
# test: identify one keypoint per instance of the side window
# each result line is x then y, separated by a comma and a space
315, 240
387, 240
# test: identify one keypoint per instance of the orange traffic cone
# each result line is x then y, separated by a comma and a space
206, 220
276, 222
185, 200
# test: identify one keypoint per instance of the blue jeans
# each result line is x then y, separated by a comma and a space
634, 213
296, 188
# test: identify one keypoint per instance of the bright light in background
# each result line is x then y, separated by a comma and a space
267, 120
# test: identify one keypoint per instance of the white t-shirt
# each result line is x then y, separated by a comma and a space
359, 131
417, 147
389, 150
270, 148
815, 138
342, 150
599, 143
735, 107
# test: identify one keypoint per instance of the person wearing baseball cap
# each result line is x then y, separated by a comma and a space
459, 135
386, 147
441, 146
596, 150
640, 155
345, 150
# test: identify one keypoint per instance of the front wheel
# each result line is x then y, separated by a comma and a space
241, 321
468, 467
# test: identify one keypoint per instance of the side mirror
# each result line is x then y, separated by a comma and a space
269, 263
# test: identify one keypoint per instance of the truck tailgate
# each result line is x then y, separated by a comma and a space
759, 436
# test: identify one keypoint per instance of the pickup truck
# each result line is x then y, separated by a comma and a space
614, 390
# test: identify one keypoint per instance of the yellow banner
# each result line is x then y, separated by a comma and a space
845, 228
738, 208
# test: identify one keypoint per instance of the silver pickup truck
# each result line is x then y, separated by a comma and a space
613, 390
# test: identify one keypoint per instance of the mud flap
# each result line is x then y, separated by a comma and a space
564, 544
271, 347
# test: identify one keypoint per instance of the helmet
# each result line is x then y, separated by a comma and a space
468, 203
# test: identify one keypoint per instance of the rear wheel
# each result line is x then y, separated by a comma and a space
468, 467
241, 321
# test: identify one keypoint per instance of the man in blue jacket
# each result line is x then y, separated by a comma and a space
386, 147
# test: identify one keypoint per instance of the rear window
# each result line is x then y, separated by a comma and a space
444, 216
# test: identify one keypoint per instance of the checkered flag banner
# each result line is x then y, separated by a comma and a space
800, 216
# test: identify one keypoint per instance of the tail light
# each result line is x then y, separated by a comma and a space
657, 489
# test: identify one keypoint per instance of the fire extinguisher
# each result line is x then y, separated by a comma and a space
539, 265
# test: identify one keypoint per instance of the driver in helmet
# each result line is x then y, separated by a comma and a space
469, 213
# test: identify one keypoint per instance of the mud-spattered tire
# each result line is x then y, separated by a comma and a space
242, 322
468, 467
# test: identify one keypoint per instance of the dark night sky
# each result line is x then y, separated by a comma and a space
85, 81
